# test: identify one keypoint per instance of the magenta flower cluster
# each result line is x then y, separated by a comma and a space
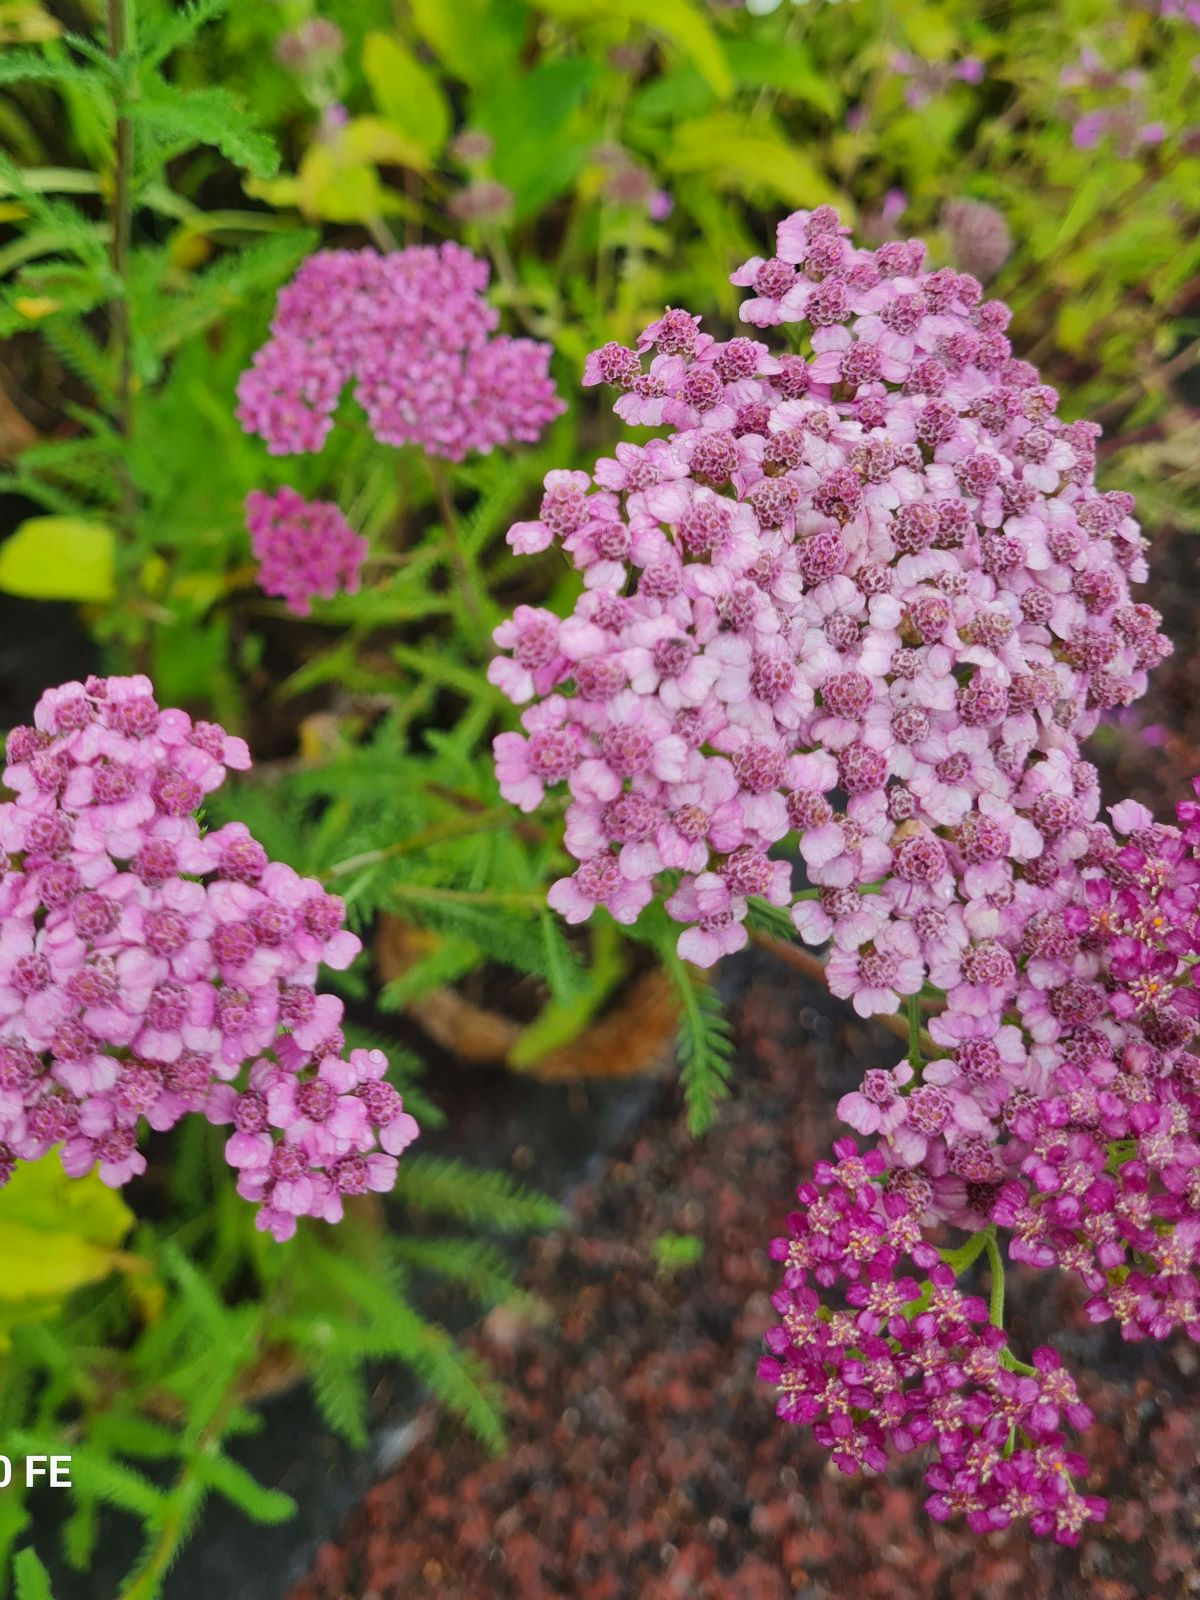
412, 331
878, 1363
305, 548
879, 570
145, 963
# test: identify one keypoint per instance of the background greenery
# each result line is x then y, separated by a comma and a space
166, 169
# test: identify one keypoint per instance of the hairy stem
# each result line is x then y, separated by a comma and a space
959, 1260
119, 252
996, 1263
913, 1007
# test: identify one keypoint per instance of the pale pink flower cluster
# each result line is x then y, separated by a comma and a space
305, 548
413, 332
144, 963
865, 594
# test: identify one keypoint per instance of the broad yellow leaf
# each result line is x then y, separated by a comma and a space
56, 1232
59, 558
408, 96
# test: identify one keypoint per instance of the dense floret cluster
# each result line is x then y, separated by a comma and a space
869, 596
1074, 1129
306, 549
144, 963
412, 331
878, 1361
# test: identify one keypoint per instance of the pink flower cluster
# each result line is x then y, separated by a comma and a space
880, 1361
866, 594
1062, 1101
144, 963
414, 333
1124, 117
306, 549
1064, 1114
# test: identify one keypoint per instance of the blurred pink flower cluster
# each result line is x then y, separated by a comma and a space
415, 335
305, 548
144, 963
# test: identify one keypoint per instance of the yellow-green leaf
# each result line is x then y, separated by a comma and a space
680, 21
478, 41
930, 33
407, 95
758, 160
374, 139
56, 1232
59, 558
37, 1263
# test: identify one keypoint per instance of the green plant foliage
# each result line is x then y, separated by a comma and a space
31, 1578
673, 1252
155, 199
705, 1045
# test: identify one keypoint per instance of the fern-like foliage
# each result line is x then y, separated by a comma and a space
30, 1576
445, 1188
705, 1047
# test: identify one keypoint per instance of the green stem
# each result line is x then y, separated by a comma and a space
469, 897
996, 1263
497, 248
146, 1582
959, 1260
120, 332
382, 236
913, 1007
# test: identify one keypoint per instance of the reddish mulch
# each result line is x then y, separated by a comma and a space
646, 1462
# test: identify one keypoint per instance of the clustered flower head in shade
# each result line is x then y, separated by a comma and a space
880, 1352
414, 334
149, 969
305, 548
980, 242
880, 572
924, 79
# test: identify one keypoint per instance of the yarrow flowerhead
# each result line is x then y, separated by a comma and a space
415, 335
880, 1353
305, 548
867, 594
144, 963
